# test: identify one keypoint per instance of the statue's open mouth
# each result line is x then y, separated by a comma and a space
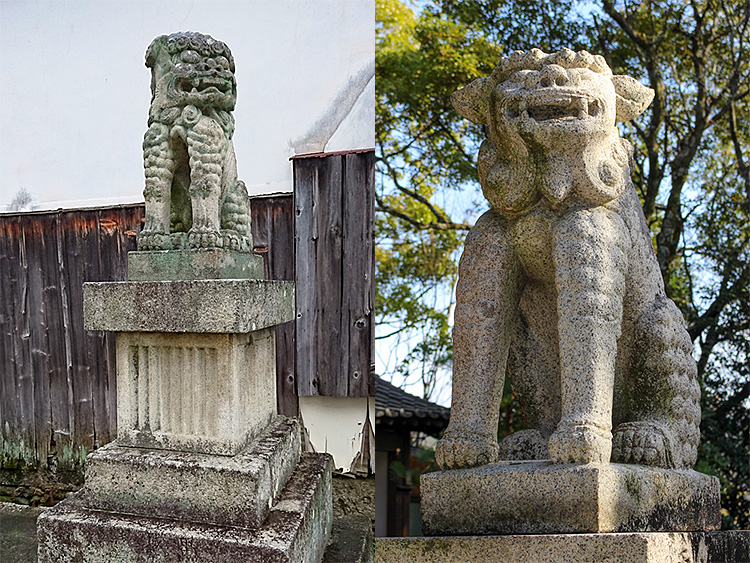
554, 106
205, 85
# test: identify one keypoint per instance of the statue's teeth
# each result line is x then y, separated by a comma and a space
584, 109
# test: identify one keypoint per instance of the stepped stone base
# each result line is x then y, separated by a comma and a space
231, 491
632, 547
542, 498
296, 530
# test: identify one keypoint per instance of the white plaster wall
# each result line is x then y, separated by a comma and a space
74, 91
335, 425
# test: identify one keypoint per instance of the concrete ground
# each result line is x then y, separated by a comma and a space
352, 539
18, 533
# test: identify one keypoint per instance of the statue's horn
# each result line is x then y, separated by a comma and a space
632, 97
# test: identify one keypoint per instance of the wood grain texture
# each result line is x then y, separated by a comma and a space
334, 273
273, 238
57, 382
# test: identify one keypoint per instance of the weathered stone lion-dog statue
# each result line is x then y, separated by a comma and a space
559, 284
193, 196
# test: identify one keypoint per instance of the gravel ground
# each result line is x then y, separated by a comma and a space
18, 533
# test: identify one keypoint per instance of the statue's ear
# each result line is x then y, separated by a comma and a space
473, 101
632, 97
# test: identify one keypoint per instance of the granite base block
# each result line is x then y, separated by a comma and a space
296, 530
631, 547
203, 264
198, 306
222, 490
543, 498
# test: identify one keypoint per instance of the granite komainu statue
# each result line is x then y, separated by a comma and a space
193, 196
559, 284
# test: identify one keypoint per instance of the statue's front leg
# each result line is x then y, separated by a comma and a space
486, 302
159, 165
206, 149
590, 247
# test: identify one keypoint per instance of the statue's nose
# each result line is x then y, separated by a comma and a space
550, 75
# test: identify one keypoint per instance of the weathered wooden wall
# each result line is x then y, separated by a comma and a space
57, 381
334, 207
57, 384
273, 238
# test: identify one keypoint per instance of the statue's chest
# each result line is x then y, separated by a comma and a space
533, 239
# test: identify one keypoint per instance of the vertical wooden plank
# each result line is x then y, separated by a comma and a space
35, 243
8, 235
305, 247
24, 384
17, 442
281, 258
79, 250
273, 238
332, 349
358, 260
260, 226
60, 388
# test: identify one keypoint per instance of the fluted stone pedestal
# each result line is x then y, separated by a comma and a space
203, 469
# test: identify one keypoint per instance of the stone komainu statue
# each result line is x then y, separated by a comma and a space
193, 196
559, 283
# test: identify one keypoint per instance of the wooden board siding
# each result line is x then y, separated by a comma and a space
273, 238
334, 273
57, 384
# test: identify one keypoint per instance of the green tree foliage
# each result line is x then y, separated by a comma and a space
691, 170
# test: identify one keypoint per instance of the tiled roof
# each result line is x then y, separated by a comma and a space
395, 408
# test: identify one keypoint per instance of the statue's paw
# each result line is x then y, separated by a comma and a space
235, 241
153, 240
458, 449
644, 443
579, 443
204, 238
524, 444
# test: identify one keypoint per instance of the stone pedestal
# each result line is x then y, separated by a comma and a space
202, 469
528, 497
538, 512
631, 547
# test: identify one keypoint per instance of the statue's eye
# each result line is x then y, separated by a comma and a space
190, 57
520, 76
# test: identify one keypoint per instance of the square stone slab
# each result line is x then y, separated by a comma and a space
204, 264
230, 491
537, 497
296, 530
198, 306
632, 547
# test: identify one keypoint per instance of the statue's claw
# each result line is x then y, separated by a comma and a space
154, 240
204, 238
574, 443
645, 443
462, 449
